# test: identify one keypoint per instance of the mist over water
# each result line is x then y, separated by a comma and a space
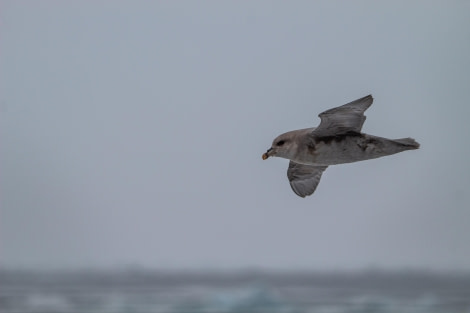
232, 292
131, 133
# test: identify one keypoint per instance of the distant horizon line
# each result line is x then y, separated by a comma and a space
233, 269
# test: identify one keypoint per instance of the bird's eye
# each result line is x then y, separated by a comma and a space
280, 143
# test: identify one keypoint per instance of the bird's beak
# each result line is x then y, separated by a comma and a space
266, 154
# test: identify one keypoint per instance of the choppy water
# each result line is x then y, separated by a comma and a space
157, 292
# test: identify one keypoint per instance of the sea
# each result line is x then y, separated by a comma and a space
245, 291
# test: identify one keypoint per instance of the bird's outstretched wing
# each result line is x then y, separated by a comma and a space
303, 178
344, 119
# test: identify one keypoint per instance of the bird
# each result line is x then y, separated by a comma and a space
337, 140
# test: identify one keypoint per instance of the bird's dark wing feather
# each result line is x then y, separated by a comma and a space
303, 178
344, 119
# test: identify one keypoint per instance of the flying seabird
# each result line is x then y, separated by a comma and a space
337, 140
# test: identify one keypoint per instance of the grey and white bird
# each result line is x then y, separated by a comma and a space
337, 140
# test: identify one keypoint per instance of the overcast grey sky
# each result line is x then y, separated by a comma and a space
132, 133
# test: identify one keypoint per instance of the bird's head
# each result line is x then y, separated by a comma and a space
283, 146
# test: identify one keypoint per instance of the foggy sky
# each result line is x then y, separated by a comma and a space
132, 133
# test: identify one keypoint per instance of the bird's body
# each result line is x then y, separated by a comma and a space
337, 140
346, 148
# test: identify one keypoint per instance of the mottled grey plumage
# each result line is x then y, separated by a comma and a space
338, 139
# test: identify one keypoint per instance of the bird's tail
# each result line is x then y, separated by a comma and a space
409, 143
